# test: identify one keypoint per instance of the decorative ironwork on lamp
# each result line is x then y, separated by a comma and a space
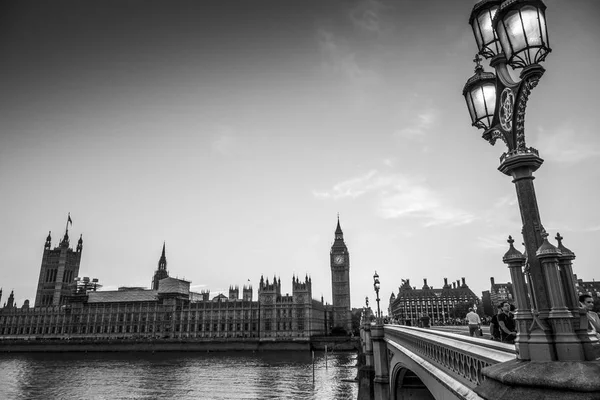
512, 32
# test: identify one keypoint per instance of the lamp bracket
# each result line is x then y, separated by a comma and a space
508, 123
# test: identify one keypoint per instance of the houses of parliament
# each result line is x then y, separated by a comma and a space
67, 306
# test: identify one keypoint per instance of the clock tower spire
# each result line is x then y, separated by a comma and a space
340, 282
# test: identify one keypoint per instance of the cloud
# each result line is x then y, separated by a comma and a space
352, 188
400, 196
494, 242
507, 200
339, 58
416, 127
366, 16
564, 145
422, 203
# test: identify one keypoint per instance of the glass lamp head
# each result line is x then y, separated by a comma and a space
480, 94
522, 31
481, 21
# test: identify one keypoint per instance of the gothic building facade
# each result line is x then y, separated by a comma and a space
60, 267
499, 292
169, 309
411, 303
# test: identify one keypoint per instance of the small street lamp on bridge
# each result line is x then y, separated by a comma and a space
376, 286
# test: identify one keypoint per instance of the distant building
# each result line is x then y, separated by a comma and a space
60, 267
411, 304
498, 293
591, 288
75, 308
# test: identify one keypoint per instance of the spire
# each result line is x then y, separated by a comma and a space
162, 263
161, 272
11, 299
339, 235
80, 243
48, 241
339, 228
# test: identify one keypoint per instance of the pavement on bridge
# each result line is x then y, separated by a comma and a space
461, 329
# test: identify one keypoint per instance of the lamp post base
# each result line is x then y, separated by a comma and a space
532, 380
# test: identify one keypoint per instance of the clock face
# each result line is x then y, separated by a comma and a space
338, 260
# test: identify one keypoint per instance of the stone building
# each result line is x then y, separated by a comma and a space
498, 293
60, 267
410, 304
588, 287
169, 310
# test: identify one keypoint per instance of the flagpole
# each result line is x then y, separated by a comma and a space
68, 220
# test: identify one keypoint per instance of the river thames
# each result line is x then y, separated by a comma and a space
172, 375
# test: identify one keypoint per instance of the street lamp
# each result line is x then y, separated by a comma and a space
514, 32
376, 286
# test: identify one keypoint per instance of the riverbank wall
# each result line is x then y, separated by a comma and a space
160, 345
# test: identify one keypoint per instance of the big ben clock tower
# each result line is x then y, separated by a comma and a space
340, 281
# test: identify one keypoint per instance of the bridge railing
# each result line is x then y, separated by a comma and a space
463, 357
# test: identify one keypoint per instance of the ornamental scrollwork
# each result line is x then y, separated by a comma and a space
526, 88
507, 100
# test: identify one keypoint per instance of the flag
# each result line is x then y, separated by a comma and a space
69, 220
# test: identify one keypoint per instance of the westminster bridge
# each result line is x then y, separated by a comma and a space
405, 362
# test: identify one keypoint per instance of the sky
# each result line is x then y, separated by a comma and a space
236, 131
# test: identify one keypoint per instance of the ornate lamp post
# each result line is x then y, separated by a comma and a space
376, 286
514, 32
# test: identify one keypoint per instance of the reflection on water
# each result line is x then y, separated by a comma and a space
174, 375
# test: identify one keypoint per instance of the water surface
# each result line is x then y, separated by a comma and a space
178, 375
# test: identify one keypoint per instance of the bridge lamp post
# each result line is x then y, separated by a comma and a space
376, 286
514, 33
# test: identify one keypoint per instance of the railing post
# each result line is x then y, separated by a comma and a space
380, 359
567, 344
368, 346
523, 317
590, 345
365, 370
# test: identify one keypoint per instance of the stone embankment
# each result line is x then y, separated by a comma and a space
154, 345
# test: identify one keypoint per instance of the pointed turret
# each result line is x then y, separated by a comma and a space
161, 272
11, 299
339, 235
162, 263
80, 243
48, 241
